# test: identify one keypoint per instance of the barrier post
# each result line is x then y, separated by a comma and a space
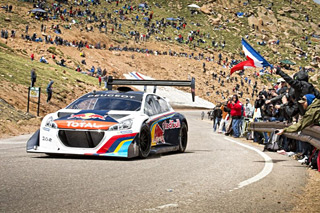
28, 99
39, 101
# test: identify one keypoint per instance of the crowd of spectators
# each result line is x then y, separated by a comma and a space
83, 14
292, 100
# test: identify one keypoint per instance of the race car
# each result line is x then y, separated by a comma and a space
116, 123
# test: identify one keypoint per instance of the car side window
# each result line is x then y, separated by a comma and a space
163, 104
149, 107
156, 104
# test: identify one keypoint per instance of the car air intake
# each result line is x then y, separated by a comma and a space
63, 114
81, 139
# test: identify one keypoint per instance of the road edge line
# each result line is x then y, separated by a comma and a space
267, 169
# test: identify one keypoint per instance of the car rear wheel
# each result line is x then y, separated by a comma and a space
183, 137
144, 142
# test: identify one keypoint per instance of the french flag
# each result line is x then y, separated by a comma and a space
254, 58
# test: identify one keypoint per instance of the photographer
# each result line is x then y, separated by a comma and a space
300, 84
311, 105
261, 105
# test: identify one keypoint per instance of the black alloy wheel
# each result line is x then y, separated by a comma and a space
183, 138
144, 142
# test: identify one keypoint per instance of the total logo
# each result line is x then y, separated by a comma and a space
87, 116
82, 125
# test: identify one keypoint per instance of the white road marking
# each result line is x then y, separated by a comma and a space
265, 171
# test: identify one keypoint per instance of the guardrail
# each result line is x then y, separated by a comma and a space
310, 134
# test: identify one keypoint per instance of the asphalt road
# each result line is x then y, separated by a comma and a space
204, 179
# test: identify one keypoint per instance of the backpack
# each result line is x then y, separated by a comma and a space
273, 143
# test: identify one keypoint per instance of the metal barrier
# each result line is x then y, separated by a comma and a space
310, 134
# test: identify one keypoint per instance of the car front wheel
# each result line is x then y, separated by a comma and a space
144, 142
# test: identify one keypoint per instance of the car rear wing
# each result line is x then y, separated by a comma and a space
111, 81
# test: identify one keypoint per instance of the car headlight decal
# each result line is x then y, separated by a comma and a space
50, 123
124, 125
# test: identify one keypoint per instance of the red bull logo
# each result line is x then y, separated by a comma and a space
87, 116
171, 124
158, 135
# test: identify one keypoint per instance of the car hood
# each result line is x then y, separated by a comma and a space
90, 119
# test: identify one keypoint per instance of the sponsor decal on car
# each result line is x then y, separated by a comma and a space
46, 129
126, 131
117, 145
171, 124
78, 124
86, 119
87, 116
158, 135
48, 139
112, 95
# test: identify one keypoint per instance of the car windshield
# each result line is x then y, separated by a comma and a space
105, 103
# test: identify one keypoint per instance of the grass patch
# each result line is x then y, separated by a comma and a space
6, 47
16, 69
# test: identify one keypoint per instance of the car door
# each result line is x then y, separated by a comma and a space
157, 117
171, 124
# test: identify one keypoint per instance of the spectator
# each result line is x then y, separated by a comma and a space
300, 85
49, 91
248, 109
32, 56
43, 60
104, 78
225, 115
217, 114
236, 113
33, 77
312, 115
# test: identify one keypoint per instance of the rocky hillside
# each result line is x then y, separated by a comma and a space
161, 39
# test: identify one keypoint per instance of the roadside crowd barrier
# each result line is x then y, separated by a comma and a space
310, 134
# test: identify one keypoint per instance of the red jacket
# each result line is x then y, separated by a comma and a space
235, 109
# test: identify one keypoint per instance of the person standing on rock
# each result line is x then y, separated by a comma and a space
33, 77
49, 90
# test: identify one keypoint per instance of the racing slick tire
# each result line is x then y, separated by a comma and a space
144, 142
183, 138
